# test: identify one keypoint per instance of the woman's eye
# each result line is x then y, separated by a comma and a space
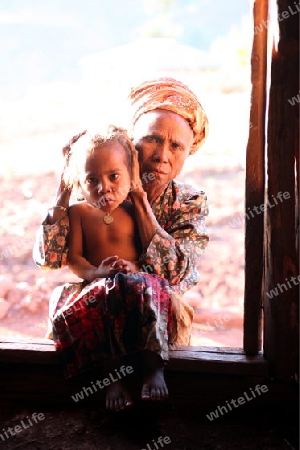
176, 146
150, 138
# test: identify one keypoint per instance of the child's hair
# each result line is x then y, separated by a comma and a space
86, 145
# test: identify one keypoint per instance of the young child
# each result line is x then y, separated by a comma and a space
117, 310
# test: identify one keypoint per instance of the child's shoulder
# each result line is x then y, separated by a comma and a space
78, 207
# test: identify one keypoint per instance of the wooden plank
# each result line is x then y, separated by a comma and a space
205, 390
217, 363
27, 353
200, 359
29, 343
37, 385
41, 341
281, 311
227, 350
255, 186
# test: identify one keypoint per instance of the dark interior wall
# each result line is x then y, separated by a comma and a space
281, 324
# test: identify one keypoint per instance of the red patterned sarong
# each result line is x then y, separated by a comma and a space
95, 322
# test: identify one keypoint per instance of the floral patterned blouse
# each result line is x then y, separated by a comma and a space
174, 250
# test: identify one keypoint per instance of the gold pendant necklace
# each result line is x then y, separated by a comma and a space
108, 219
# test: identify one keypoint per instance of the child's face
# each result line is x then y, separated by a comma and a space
105, 181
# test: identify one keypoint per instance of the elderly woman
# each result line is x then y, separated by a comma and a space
168, 125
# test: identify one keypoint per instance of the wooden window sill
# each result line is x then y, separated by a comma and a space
184, 359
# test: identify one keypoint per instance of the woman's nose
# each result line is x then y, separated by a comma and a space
161, 153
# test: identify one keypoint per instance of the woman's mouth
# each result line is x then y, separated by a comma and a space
157, 171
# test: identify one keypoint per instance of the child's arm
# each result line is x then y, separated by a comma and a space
76, 262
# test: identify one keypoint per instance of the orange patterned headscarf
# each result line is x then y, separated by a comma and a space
172, 95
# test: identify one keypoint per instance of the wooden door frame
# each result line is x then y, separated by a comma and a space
264, 241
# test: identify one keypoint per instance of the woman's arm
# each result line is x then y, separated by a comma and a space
51, 246
174, 251
146, 220
172, 246
61, 203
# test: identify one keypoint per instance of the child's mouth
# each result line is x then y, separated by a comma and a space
103, 202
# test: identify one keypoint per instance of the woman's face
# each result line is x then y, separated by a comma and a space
105, 181
163, 140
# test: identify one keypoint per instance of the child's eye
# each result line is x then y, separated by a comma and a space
91, 181
113, 176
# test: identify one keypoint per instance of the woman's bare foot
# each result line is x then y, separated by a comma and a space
154, 385
117, 397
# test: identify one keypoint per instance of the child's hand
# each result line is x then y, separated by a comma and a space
113, 264
106, 268
124, 266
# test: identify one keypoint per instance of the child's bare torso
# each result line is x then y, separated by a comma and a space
118, 238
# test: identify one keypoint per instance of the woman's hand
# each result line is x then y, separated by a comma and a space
136, 182
63, 193
66, 149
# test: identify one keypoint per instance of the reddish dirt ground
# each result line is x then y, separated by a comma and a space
217, 299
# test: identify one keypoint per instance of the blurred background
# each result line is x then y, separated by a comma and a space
67, 66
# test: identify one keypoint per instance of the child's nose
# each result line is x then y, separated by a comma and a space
104, 187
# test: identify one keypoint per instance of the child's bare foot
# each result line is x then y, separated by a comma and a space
154, 385
117, 397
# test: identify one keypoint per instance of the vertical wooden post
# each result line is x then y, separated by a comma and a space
255, 183
281, 307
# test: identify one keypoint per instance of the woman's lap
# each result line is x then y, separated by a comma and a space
93, 323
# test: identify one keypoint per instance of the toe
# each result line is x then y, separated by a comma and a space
145, 393
108, 404
158, 395
128, 402
154, 394
164, 393
119, 404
